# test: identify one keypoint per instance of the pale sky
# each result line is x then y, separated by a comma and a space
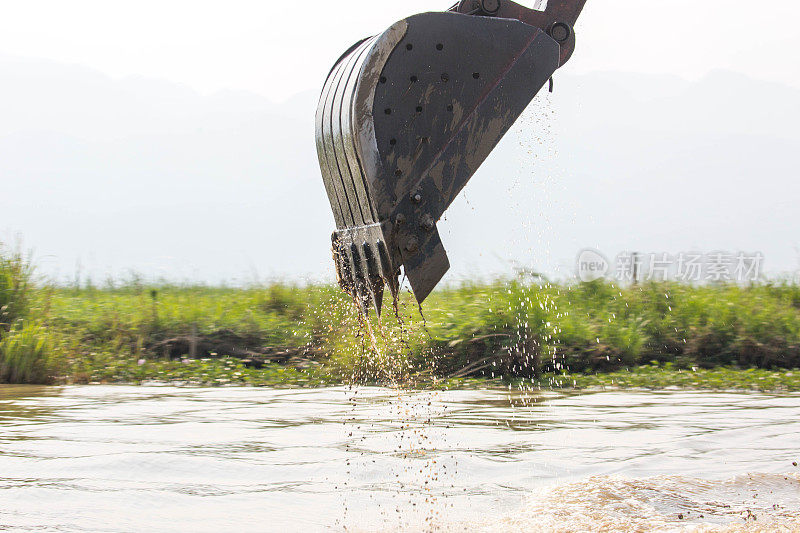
673, 128
249, 45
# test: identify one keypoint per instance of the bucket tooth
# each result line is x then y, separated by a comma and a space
361, 285
407, 117
364, 264
374, 276
343, 268
377, 291
388, 273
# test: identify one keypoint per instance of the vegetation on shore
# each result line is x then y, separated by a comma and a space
229, 371
506, 332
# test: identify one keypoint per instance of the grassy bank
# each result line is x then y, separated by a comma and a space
516, 329
232, 372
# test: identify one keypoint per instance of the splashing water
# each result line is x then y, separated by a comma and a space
752, 502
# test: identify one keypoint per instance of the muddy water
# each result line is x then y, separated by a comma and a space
105, 458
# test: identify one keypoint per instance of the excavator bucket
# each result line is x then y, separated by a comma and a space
406, 118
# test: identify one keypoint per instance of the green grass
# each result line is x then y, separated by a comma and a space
521, 328
16, 274
26, 353
200, 372
667, 376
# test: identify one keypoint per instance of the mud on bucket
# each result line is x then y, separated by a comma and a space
407, 117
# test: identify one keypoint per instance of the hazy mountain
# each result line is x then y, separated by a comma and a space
150, 176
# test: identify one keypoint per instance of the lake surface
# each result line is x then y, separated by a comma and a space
118, 458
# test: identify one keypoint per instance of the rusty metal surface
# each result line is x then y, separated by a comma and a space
558, 14
406, 118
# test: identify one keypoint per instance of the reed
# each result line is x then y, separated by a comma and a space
26, 355
25, 348
16, 274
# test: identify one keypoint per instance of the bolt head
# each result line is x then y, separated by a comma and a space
490, 6
412, 245
416, 197
560, 32
400, 219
